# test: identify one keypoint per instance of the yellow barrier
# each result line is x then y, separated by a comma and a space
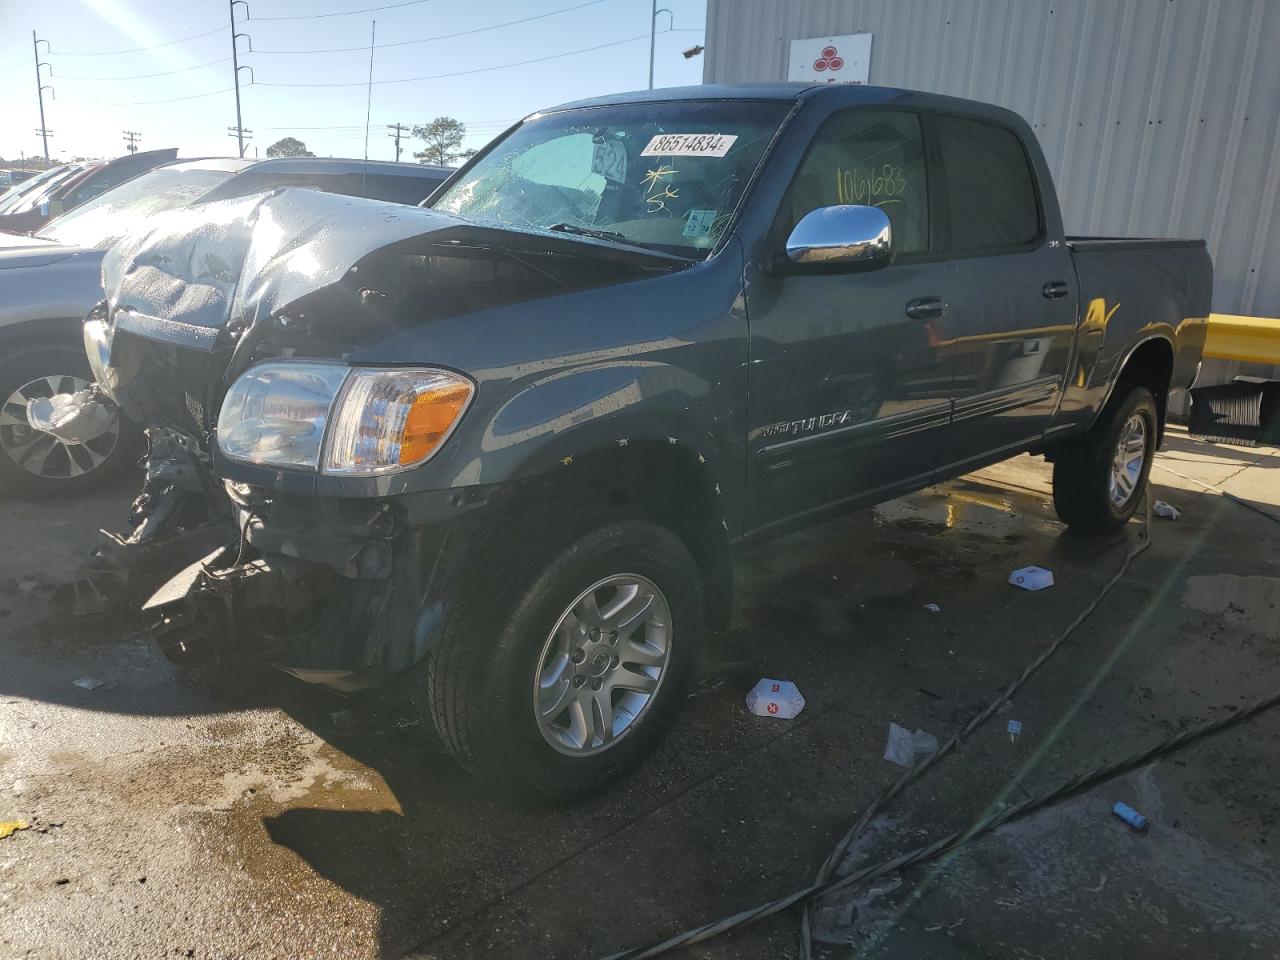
1252, 339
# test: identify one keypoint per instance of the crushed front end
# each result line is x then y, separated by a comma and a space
344, 589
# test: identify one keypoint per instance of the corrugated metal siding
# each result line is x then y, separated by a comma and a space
1158, 117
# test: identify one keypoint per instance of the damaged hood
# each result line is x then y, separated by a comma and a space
198, 268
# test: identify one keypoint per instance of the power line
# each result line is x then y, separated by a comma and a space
154, 46
344, 13
448, 36
147, 76
463, 73
143, 103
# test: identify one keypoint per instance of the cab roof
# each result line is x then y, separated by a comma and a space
838, 94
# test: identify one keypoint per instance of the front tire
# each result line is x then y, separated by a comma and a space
562, 683
1098, 481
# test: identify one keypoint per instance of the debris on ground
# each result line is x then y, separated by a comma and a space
89, 683
775, 698
1166, 510
1015, 728
1130, 816
903, 746
9, 827
933, 608
1032, 578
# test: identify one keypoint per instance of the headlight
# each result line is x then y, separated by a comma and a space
353, 421
276, 413
390, 419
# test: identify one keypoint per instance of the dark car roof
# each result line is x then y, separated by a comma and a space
843, 94
345, 165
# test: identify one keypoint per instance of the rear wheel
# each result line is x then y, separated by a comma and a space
1097, 482
38, 464
564, 685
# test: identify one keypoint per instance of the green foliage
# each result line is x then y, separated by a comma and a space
442, 141
289, 147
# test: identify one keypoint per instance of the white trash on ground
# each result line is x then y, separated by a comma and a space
933, 608
1166, 510
89, 683
903, 745
775, 698
1032, 578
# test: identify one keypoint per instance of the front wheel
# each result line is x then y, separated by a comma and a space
37, 464
566, 685
1097, 483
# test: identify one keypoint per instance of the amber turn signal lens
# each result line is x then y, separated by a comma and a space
429, 420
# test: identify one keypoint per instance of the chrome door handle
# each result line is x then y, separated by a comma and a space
926, 308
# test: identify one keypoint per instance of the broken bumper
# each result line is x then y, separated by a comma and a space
336, 591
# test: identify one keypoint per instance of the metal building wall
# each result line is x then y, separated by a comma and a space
1158, 117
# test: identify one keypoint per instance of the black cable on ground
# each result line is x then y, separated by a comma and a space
822, 883
951, 841
917, 771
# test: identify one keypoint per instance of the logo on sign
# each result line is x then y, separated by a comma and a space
772, 708
829, 60
776, 688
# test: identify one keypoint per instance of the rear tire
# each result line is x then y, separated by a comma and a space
1097, 485
38, 465
512, 653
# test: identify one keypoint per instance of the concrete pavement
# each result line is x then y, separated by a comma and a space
169, 822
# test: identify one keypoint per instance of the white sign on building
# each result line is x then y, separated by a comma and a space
844, 59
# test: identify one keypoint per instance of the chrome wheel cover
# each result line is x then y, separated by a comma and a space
42, 454
1127, 461
602, 665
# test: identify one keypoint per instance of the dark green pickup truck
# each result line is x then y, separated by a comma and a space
510, 445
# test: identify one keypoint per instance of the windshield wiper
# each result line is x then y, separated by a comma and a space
588, 232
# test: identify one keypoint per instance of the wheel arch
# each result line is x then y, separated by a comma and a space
664, 480
1148, 363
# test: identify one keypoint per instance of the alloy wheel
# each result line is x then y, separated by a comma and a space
602, 664
43, 454
1128, 459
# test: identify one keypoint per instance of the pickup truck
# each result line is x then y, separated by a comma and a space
507, 449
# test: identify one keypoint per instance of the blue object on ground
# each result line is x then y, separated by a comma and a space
1130, 816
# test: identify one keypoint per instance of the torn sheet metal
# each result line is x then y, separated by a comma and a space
201, 266
72, 417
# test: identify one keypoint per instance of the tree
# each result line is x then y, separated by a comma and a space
442, 139
289, 147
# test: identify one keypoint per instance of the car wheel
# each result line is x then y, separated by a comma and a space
564, 687
1097, 483
37, 464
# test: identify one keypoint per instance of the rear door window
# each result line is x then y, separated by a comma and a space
989, 188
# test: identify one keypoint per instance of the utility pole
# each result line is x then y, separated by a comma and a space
41, 87
653, 33
239, 129
400, 129
243, 135
132, 137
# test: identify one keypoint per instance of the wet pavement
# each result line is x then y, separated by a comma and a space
273, 820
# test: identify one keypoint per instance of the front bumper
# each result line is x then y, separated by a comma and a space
342, 592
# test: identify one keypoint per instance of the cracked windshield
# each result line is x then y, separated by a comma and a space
669, 179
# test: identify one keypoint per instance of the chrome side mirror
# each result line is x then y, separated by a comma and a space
837, 236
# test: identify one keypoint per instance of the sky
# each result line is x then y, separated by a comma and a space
164, 68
